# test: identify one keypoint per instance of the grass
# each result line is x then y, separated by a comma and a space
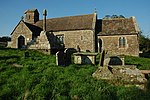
38, 77
142, 63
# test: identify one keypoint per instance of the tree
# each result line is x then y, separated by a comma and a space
5, 39
107, 17
113, 16
121, 16
144, 43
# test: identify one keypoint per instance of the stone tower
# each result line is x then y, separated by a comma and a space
31, 16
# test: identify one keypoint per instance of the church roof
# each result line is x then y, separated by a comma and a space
69, 23
31, 10
36, 30
116, 26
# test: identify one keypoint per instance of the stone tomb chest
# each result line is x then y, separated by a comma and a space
85, 58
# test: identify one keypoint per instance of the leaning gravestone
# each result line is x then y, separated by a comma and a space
60, 58
116, 72
67, 56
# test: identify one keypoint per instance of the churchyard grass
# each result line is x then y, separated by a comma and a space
38, 77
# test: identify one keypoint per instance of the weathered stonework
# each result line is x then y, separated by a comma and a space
119, 36
111, 45
85, 58
21, 30
114, 70
82, 38
113, 60
31, 16
121, 75
84, 31
41, 42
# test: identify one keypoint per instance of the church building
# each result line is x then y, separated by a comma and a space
117, 36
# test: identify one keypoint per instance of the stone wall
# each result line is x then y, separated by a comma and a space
41, 42
85, 39
21, 30
111, 45
85, 58
121, 75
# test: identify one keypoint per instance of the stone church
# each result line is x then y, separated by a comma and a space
117, 36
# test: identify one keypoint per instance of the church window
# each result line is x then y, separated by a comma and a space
29, 17
81, 37
122, 42
60, 39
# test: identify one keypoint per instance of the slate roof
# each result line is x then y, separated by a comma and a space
31, 10
118, 26
81, 22
36, 30
115, 26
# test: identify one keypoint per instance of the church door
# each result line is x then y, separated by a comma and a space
21, 41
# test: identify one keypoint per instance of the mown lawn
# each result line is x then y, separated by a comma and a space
38, 78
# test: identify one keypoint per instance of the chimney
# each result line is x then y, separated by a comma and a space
44, 19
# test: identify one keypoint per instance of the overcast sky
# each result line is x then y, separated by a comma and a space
12, 10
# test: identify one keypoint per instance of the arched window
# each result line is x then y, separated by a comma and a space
28, 16
122, 42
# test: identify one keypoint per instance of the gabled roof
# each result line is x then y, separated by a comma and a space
34, 29
69, 23
17, 26
117, 26
31, 10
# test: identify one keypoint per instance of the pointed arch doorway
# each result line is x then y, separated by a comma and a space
21, 41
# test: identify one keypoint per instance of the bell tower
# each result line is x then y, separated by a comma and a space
31, 16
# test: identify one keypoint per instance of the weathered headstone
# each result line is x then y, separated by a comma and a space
67, 56
113, 60
26, 54
121, 75
85, 58
60, 58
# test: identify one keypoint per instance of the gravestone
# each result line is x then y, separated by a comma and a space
101, 61
126, 75
116, 72
67, 56
26, 54
85, 58
60, 58
113, 60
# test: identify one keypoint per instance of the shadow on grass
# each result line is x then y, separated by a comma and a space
145, 54
8, 48
8, 57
